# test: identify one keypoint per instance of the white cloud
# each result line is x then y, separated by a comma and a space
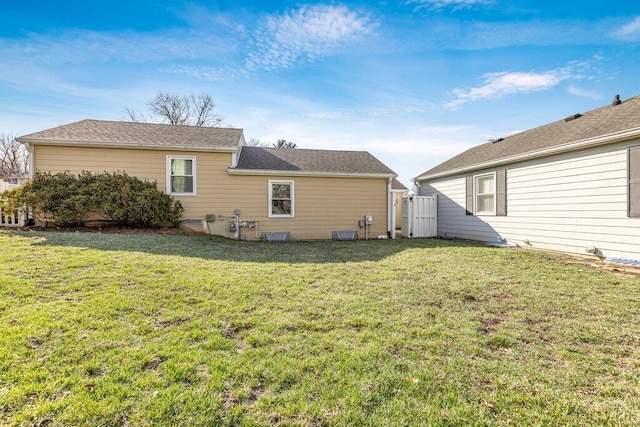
500, 84
630, 31
200, 72
83, 46
306, 34
442, 4
584, 93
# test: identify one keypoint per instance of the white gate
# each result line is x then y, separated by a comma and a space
419, 216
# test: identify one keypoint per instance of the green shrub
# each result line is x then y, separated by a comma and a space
69, 200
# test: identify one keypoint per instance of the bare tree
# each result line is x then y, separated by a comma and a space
255, 142
283, 143
133, 115
193, 110
14, 158
173, 109
202, 110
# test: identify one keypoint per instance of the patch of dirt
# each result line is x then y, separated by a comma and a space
155, 363
34, 342
249, 399
232, 331
539, 328
491, 325
161, 324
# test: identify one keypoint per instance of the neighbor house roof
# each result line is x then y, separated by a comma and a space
101, 133
296, 161
397, 185
603, 125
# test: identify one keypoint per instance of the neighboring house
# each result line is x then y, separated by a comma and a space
11, 182
398, 190
572, 186
242, 191
13, 219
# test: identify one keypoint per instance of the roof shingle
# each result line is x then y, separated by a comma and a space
138, 135
311, 161
602, 121
397, 185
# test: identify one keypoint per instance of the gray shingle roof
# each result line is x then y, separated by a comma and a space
599, 122
298, 160
397, 185
138, 135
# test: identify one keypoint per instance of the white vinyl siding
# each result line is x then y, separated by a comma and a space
181, 175
567, 202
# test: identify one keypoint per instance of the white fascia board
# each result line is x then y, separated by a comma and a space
232, 171
545, 152
236, 156
106, 144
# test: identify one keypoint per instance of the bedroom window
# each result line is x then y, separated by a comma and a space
485, 194
281, 199
181, 175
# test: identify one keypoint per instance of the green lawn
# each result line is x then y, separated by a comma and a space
140, 330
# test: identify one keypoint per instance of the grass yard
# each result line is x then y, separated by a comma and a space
140, 330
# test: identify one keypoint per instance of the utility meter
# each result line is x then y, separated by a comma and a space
368, 219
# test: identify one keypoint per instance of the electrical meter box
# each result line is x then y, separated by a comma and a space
368, 219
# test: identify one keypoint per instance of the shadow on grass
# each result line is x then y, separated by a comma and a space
221, 249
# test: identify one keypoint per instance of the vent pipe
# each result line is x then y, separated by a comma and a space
616, 101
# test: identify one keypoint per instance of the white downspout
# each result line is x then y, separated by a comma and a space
391, 217
32, 159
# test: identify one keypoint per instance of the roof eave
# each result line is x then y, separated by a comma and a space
558, 149
107, 144
233, 171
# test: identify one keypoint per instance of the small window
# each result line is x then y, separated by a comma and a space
485, 194
181, 175
281, 199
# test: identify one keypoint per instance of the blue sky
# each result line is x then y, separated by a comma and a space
414, 82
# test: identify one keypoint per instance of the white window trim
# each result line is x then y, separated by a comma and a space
475, 194
168, 177
271, 214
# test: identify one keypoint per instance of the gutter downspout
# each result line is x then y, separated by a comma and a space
31, 152
391, 211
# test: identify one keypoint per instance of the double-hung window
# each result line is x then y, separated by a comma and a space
281, 199
485, 194
181, 175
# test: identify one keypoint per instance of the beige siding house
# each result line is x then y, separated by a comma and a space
226, 187
572, 186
